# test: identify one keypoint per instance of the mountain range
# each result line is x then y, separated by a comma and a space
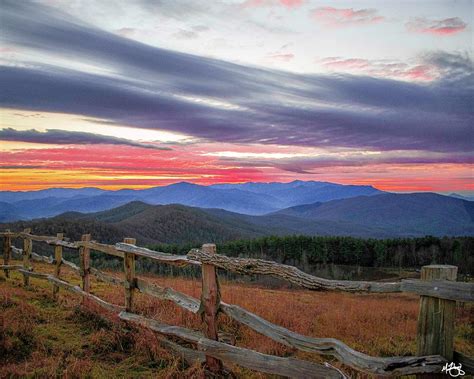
382, 215
247, 198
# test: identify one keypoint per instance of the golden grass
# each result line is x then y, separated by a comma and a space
376, 324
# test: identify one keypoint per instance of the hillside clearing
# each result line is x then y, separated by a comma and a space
41, 338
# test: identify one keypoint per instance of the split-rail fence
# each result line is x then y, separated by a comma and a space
437, 288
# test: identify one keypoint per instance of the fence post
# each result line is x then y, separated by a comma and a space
436, 318
210, 301
58, 260
7, 248
27, 249
84, 257
129, 268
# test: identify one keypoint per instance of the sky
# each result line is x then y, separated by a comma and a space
140, 93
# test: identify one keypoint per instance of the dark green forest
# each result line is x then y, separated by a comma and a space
305, 251
310, 253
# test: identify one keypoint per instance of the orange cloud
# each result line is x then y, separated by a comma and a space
114, 167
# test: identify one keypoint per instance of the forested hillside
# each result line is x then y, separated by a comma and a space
294, 237
410, 215
148, 224
304, 251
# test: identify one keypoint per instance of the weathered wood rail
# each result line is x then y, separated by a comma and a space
438, 291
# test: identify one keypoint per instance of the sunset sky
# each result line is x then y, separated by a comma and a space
140, 93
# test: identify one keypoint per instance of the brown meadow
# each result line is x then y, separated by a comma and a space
39, 337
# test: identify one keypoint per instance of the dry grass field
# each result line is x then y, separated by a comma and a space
43, 338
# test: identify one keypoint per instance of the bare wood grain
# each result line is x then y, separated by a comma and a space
210, 299
253, 360
35, 257
10, 234
27, 250
34, 237
103, 277
178, 260
104, 248
72, 266
191, 356
42, 258
442, 289
129, 270
17, 251
348, 356
69, 245
84, 259
187, 302
7, 250
435, 331
100, 275
250, 266
328, 346
58, 260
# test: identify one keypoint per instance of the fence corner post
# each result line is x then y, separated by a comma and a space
129, 269
7, 250
210, 299
58, 260
27, 249
435, 334
84, 259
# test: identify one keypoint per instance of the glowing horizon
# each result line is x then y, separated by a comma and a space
382, 97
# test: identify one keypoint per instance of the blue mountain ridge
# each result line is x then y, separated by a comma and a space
246, 198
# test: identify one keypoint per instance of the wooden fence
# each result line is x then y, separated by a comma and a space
437, 288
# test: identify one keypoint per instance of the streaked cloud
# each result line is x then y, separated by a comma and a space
25, 120
443, 27
339, 17
108, 167
83, 98
153, 87
419, 71
63, 137
272, 3
285, 57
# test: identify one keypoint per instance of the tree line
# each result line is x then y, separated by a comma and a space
304, 251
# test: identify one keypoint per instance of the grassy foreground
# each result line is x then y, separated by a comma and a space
43, 338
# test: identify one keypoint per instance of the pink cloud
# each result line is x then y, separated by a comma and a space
381, 68
114, 167
283, 57
420, 72
346, 16
7, 50
445, 27
272, 3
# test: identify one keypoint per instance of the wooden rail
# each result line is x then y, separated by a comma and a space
212, 351
456, 291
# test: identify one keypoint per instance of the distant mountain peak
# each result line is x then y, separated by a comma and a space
253, 198
182, 184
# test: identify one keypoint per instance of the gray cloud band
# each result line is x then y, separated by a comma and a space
56, 136
154, 88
